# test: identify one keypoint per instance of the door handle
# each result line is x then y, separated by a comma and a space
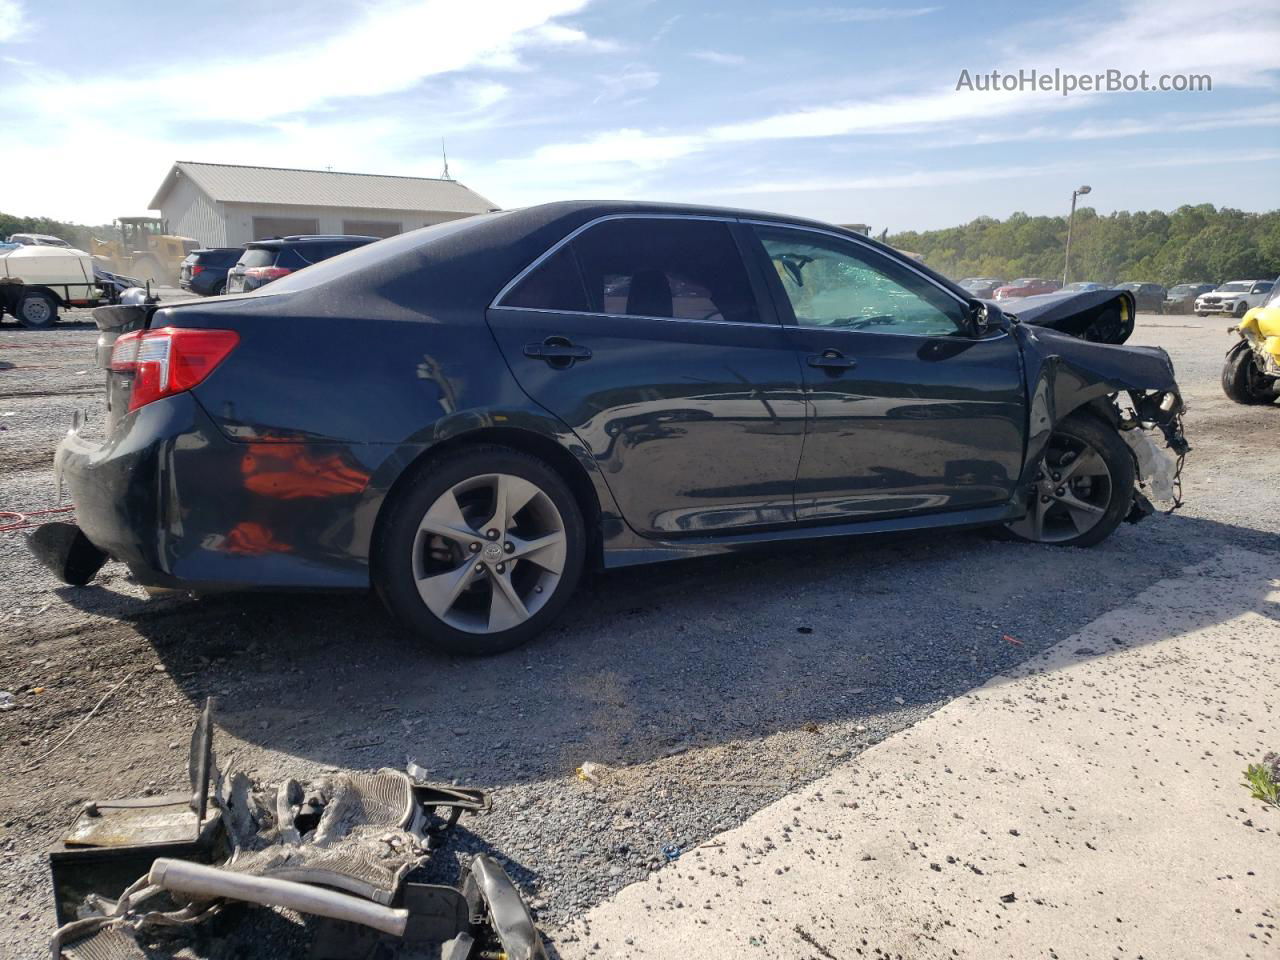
832, 360
557, 351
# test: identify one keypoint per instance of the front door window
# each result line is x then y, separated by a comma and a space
832, 285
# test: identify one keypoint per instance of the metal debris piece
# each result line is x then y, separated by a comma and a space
341, 847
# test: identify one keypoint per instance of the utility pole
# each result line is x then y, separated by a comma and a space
444, 154
1066, 265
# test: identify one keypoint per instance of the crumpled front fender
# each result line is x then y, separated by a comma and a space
1064, 374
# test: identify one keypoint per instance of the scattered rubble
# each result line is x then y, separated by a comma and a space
343, 848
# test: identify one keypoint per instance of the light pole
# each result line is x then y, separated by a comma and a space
1066, 266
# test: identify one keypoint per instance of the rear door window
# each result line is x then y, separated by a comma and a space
555, 285
666, 268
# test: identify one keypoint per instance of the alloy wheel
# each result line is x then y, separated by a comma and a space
1072, 491
489, 553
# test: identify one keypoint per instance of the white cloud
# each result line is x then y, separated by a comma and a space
857, 14
633, 148
1174, 124
934, 177
625, 83
313, 111
665, 27
558, 35
1088, 46
12, 20
719, 58
393, 47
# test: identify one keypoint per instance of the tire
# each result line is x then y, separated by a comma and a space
1241, 310
1243, 382
1095, 502
479, 613
37, 310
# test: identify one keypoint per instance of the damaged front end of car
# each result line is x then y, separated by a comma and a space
1074, 359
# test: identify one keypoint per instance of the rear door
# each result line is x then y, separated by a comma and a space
911, 414
646, 335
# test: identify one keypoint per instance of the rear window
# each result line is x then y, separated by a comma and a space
216, 258
374, 253
257, 257
682, 269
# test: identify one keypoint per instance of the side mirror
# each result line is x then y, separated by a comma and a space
980, 320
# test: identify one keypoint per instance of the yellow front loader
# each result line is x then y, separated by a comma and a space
144, 249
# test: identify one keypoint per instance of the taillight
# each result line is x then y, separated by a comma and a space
196, 268
169, 360
267, 273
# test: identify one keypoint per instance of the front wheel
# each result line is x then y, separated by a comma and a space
1241, 310
1243, 382
481, 551
1083, 485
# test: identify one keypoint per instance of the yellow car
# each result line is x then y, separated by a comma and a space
1252, 371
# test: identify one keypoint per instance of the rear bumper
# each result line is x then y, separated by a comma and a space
185, 507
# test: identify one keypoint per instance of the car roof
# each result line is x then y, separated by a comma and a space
275, 242
469, 259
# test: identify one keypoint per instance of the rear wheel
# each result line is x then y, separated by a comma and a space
481, 552
1243, 382
37, 310
1083, 488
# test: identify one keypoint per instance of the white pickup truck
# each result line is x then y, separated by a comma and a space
1235, 298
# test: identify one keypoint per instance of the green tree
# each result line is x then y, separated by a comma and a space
1198, 243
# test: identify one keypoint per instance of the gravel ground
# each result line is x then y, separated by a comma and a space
708, 688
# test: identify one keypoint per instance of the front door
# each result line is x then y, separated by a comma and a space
646, 336
910, 413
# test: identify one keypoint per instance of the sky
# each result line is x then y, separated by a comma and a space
843, 112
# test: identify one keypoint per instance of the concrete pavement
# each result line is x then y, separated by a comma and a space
1087, 805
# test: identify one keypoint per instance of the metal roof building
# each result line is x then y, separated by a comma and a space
223, 205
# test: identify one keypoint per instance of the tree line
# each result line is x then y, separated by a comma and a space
1200, 243
1192, 244
76, 234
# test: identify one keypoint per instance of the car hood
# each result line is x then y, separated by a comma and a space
1101, 316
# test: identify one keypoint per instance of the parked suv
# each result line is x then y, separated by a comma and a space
1234, 298
1181, 298
265, 260
1149, 296
205, 271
